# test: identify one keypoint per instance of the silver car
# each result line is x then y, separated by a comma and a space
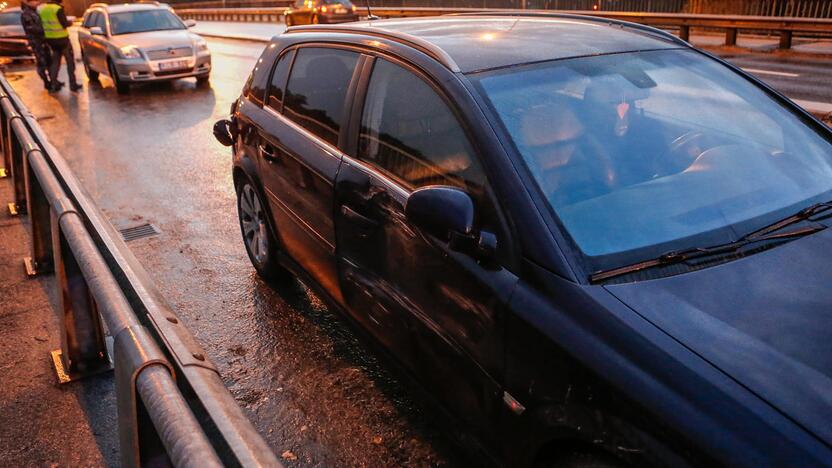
141, 42
13, 41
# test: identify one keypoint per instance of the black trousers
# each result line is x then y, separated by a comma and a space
61, 48
43, 57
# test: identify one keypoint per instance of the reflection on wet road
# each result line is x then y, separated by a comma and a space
314, 392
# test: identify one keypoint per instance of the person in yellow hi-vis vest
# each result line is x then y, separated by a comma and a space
54, 22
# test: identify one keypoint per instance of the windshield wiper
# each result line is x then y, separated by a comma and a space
766, 233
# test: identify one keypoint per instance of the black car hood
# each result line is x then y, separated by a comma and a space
765, 320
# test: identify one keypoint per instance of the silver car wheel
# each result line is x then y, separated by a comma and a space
253, 221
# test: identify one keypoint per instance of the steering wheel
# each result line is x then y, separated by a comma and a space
682, 152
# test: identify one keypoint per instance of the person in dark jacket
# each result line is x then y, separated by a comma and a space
54, 22
33, 28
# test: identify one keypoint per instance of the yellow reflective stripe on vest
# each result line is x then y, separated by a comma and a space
52, 28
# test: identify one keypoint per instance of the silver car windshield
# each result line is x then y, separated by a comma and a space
641, 153
143, 21
10, 19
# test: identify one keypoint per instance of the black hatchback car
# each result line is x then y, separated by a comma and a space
592, 243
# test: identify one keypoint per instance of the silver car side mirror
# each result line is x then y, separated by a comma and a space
96, 31
190, 23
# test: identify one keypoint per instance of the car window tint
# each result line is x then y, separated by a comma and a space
281, 71
409, 131
317, 89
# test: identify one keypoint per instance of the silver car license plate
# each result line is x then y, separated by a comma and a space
175, 65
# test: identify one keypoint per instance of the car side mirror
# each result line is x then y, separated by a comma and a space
189, 23
444, 212
96, 31
223, 132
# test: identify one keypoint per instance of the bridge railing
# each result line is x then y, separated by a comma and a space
732, 25
173, 408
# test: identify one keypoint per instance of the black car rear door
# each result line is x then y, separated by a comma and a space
299, 156
439, 311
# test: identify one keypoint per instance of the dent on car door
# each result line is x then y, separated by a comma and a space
439, 311
299, 155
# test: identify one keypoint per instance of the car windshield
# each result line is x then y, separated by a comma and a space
646, 152
10, 19
142, 21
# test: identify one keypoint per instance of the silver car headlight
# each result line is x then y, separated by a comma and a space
200, 45
130, 52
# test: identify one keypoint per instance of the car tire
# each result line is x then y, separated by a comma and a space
91, 74
121, 87
260, 242
203, 80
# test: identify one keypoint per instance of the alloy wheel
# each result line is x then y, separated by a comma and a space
253, 222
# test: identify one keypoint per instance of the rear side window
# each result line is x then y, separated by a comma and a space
409, 132
276, 88
317, 89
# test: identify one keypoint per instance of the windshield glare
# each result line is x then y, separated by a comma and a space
641, 153
142, 21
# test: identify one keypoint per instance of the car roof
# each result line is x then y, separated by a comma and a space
469, 43
10, 10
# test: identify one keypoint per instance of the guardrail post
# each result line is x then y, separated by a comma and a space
785, 39
133, 351
731, 36
7, 158
83, 348
40, 221
684, 32
18, 205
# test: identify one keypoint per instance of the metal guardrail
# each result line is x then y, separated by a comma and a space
786, 27
173, 408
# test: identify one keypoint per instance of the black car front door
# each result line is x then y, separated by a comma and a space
299, 156
439, 311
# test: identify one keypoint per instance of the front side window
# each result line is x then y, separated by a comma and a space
142, 21
642, 153
100, 20
88, 21
317, 90
409, 132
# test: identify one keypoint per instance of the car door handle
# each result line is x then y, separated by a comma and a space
269, 153
358, 219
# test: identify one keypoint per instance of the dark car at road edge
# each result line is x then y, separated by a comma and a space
592, 243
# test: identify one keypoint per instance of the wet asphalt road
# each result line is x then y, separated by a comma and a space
314, 392
798, 76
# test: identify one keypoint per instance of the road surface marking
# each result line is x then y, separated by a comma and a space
769, 72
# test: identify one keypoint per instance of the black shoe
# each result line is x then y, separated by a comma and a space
46, 85
75, 87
